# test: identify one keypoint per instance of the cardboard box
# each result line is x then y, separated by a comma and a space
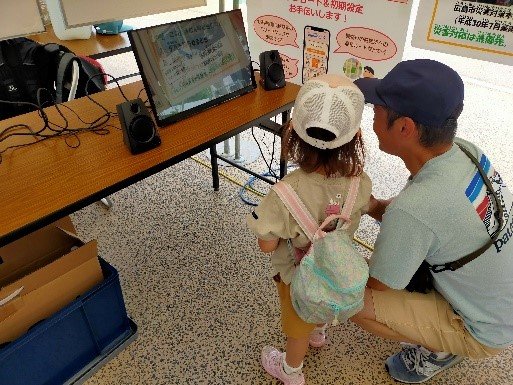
66, 224
68, 347
40, 274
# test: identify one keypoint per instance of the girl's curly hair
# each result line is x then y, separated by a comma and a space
347, 160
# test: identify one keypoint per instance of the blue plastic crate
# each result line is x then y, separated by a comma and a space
67, 345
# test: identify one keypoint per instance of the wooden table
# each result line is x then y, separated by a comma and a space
46, 181
97, 46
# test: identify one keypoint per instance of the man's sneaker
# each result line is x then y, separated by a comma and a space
272, 361
415, 364
318, 337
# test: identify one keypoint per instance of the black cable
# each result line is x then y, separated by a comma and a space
249, 184
4, 136
95, 125
272, 153
145, 102
269, 166
98, 126
115, 80
258, 64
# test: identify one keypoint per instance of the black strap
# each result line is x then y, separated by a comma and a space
470, 257
62, 58
60, 81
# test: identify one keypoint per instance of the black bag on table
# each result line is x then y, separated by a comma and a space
24, 68
27, 66
62, 66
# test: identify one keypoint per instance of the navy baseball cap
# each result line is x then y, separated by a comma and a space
425, 90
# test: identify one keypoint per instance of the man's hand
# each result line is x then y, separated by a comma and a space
377, 207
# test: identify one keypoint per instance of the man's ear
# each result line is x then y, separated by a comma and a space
408, 128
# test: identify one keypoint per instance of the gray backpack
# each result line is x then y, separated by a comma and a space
329, 283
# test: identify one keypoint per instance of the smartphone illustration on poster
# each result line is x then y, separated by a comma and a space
316, 51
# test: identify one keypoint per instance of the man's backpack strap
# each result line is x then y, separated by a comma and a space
454, 265
296, 208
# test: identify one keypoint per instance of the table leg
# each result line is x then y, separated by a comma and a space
283, 168
285, 116
215, 168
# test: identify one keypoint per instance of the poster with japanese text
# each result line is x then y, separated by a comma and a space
481, 29
362, 38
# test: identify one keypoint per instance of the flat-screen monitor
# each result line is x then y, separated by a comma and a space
190, 65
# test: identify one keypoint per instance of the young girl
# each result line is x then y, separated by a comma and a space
324, 139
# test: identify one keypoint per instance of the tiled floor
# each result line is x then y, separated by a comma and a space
200, 292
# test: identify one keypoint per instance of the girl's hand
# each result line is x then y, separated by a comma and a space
268, 246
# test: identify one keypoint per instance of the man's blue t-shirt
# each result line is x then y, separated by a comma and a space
443, 214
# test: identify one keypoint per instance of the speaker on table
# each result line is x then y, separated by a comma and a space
272, 75
139, 131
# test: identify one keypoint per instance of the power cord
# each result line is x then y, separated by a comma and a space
269, 165
248, 186
258, 64
50, 129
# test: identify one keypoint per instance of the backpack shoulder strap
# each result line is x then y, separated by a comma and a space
62, 59
345, 213
352, 193
296, 208
60, 81
303, 217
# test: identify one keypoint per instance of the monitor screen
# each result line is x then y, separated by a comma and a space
190, 65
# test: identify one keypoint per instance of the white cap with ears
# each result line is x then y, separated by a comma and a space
331, 103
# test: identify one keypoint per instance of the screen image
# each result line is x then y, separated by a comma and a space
190, 65
316, 49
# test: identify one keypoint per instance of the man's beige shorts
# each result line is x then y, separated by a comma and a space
429, 320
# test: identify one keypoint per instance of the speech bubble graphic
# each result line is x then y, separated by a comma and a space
289, 66
365, 43
275, 30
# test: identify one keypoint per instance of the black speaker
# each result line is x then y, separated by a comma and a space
272, 75
139, 131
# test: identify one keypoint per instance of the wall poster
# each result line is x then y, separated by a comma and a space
481, 29
362, 38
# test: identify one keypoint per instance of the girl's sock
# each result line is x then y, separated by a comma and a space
321, 329
288, 369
